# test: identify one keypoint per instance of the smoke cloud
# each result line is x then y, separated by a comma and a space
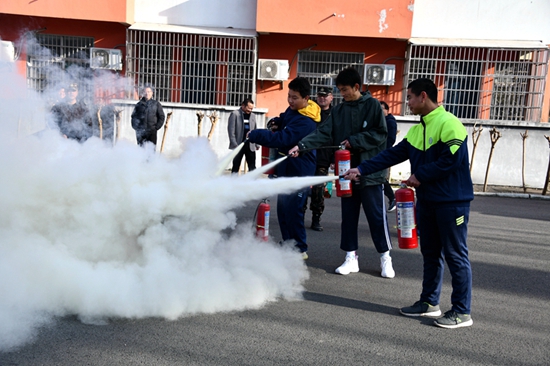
99, 231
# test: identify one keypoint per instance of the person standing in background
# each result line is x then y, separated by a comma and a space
72, 116
240, 123
324, 157
391, 123
60, 95
147, 118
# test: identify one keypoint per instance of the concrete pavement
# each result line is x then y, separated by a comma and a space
354, 319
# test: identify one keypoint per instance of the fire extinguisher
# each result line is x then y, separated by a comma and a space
262, 220
406, 218
342, 163
269, 155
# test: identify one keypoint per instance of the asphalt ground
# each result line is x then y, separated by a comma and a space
354, 319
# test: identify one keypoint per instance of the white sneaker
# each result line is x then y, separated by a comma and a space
350, 265
387, 268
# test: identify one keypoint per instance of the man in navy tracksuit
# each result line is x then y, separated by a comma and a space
438, 151
286, 130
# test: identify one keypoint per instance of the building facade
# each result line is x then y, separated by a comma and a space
209, 55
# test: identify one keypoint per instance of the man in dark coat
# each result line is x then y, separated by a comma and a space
147, 118
72, 116
324, 158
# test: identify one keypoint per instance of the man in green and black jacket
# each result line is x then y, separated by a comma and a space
359, 125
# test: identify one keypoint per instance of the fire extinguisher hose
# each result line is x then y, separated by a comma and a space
310, 149
303, 150
316, 148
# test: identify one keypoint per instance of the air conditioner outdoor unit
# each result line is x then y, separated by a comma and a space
276, 70
104, 58
7, 51
379, 74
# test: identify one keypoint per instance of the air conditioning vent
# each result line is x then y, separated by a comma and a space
104, 58
379, 74
276, 70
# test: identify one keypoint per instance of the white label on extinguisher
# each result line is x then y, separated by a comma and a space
343, 166
344, 184
266, 223
405, 218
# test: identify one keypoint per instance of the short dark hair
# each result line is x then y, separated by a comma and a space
384, 105
300, 85
348, 77
246, 101
147, 86
424, 85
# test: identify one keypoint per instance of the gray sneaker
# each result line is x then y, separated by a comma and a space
452, 320
420, 308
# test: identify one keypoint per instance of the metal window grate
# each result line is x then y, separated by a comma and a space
193, 68
322, 67
47, 53
483, 83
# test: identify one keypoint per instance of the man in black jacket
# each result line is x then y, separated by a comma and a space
147, 118
73, 116
324, 158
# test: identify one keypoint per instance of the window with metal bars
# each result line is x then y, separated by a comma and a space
193, 68
322, 67
48, 53
483, 83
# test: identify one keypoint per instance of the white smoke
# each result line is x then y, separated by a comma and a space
101, 231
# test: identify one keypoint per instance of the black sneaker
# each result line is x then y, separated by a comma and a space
452, 320
420, 308
391, 206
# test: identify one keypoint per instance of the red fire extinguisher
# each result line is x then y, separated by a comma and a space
269, 155
406, 218
342, 163
262, 220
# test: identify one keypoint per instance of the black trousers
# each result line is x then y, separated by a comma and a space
250, 156
317, 205
374, 206
146, 136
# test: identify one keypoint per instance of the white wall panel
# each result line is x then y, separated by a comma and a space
482, 19
203, 13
